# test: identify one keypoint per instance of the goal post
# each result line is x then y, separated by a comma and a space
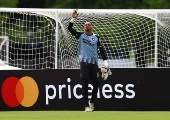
39, 38
4, 49
128, 36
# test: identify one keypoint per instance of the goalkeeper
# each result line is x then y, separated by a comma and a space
88, 58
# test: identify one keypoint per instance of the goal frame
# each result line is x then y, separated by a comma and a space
5, 41
102, 11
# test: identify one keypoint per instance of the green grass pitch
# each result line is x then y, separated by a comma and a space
81, 115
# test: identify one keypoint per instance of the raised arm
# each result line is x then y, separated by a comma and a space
70, 26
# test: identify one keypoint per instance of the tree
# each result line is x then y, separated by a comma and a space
8, 3
108, 4
155, 4
31, 4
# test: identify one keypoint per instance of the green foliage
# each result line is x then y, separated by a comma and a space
8, 3
155, 4
92, 4
108, 4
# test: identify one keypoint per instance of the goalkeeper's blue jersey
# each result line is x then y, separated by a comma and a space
88, 46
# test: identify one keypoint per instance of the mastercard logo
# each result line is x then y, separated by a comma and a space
22, 91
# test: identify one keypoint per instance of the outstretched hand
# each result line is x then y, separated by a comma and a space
75, 14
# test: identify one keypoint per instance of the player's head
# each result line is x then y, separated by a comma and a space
88, 26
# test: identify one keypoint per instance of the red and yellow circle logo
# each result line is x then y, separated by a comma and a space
24, 91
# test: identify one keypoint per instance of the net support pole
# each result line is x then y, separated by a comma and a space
56, 38
156, 41
7, 50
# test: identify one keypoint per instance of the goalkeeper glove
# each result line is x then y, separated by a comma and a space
105, 72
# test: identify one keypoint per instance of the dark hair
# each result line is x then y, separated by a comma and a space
89, 22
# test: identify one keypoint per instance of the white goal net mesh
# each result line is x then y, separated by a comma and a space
39, 39
163, 47
31, 39
128, 38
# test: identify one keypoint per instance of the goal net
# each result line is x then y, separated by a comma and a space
27, 38
128, 37
163, 39
39, 38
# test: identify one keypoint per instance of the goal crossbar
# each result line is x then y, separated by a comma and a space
39, 38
